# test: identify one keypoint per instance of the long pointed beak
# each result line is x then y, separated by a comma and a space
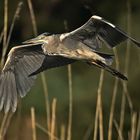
32, 41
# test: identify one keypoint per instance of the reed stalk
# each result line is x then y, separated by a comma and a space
62, 135
120, 135
133, 126
100, 106
46, 131
6, 39
53, 119
99, 112
138, 128
96, 121
125, 89
44, 81
115, 89
1, 35
33, 124
69, 134
5, 30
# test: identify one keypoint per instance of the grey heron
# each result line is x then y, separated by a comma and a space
53, 50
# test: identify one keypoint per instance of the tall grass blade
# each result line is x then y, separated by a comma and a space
100, 105
133, 126
47, 102
138, 128
5, 30
16, 16
34, 25
69, 130
7, 117
53, 119
33, 124
125, 89
44, 82
99, 113
69, 134
96, 122
118, 130
46, 131
112, 107
62, 135
1, 35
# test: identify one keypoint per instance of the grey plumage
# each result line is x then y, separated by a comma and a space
15, 79
26, 61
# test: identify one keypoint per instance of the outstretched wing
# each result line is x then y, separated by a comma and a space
96, 29
18, 74
14, 79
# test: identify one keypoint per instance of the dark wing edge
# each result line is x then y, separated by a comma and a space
14, 80
112, 34
52, 62
96, 29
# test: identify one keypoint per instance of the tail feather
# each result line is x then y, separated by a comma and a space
109, 69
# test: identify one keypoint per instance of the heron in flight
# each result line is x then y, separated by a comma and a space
26, 61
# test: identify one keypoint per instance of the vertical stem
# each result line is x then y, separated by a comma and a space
99, 113
113, 98
53, 119
69, 135
125, 89
128, 41
96, 120
1, 35
5, 30
62, 136
47, 103
44, 82
123, 102
100, 105
133, 126
138, 128
34, 25
16, 15
5, 21
120, 136
33, 123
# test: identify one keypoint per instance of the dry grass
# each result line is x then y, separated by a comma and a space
69, 134
6, 39
43, 77
33, 123
53, 119
51, 131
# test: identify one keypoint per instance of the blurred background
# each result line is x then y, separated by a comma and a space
50, 17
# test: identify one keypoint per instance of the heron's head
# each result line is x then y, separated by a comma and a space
39, 39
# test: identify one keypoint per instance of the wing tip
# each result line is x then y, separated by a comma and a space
7, 103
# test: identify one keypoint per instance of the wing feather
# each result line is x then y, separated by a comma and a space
22, 62
97, 27
14, 78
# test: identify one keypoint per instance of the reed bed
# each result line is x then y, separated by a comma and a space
65, 131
